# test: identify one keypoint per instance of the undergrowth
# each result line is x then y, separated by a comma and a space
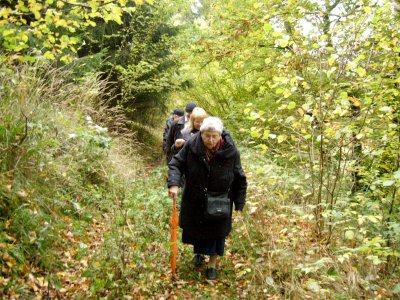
55, 168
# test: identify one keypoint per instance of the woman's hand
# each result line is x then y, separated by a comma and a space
179, 143
173, 191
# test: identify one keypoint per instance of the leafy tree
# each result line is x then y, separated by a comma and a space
50, 29
318, 83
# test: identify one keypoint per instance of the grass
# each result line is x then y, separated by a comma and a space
54, 174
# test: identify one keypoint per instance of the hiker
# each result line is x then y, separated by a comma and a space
175, 131
175, 114
210, 163
195, 121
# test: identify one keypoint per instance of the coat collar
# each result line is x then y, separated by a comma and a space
181, 120
227, 151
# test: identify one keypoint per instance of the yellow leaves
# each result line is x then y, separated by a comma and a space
48, 19
266, 134
22, 193
5, 12
64, 41
361, 72
367, 9
241, 270
8, 32
9, 260
283, 43
355, 101
35, 8
66, 59
32, 237
90, 23
36, 283
61, 23
112, 13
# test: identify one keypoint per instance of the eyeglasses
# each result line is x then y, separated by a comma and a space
211, 136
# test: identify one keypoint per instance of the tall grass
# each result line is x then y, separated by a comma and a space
57, 156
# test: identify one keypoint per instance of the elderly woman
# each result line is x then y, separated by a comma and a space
210, 162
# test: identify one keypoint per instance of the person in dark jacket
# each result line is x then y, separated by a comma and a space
175, 114
175, 131
210, 161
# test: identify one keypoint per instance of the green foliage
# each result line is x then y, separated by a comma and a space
318, 93
53, 163
141, 62
51, 29
124, 262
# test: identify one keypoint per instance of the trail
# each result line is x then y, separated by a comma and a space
125, 252
144, 270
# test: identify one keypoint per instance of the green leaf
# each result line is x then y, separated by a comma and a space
373, 219
291, 105
8, 32
282, 138
385, 108
87, 273
332, 272
49, 55
29, 58
396, 289
367, 9
312, 285
344, 95
268, 27
331, 60
388, 183
361, 72
255, 134
349, 235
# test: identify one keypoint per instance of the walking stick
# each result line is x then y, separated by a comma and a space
174, 237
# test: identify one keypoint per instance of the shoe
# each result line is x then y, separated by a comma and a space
198, 260
211, 273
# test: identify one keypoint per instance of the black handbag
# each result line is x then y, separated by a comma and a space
218, 205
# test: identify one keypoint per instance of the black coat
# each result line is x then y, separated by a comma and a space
174, 133
223, 173
165, 134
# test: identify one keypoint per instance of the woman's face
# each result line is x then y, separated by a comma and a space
210, 138
197, 123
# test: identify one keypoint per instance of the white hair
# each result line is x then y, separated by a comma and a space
211, 124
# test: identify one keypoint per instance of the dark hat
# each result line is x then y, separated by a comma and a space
178, 112
190, 106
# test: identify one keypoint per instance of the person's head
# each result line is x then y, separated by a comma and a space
177, 112
211, 131
189, 108
196, 118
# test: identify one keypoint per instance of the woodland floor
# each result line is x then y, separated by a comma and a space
271, 253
